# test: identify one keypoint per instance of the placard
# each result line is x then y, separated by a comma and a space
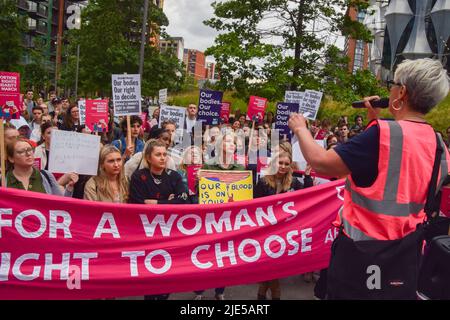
225, 186
294, 97
97, 115
82, 111
176, 114
225, 112
209, 106
74, 152
10, 102
192, 171
310, 104
297, 155
283, 113
256, 109
126, 90
162, 96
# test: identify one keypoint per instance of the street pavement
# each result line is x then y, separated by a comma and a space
292, 288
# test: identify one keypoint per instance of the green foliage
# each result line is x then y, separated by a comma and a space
35, 74
267, 46
12, 26
109, 41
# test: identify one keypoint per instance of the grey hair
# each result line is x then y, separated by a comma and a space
427, 83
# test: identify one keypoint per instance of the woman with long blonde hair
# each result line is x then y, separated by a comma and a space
280, 180
111, 184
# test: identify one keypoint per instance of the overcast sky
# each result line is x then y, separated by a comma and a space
186, 20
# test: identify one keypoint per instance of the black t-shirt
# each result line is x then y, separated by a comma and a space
144, 186
360, 154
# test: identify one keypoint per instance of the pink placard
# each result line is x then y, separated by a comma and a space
225, 112
256, 108
97, 115
10, 102
192, 177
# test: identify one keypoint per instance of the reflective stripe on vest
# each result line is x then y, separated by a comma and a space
382, 211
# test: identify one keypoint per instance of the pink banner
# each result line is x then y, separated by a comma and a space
97, 115
63, 248
256, 109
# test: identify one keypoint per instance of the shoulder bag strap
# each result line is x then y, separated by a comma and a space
430, 205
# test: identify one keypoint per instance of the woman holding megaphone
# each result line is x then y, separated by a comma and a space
389, 168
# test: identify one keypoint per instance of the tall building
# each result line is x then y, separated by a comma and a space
174, 46
43, 22
212, 71
195, 63
356, 50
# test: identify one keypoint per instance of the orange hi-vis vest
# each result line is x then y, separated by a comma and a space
394, 205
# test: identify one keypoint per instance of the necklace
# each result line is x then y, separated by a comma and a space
156, 180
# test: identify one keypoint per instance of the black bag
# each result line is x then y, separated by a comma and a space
374, 269
434, 279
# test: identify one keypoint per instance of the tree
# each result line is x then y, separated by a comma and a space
109, 41
268, 46
12, 25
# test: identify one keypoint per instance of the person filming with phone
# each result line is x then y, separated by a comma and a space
389, 168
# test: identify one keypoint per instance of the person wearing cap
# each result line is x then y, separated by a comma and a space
22, 126
56, 114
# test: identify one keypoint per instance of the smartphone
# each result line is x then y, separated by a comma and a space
383, 103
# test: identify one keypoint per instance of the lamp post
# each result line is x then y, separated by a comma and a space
143, 40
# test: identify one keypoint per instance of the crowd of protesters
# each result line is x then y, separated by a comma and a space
151, 169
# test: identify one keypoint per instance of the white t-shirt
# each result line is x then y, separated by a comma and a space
190, 124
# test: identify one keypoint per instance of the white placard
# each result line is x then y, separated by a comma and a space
294, 96
176, 114
126, 89
297, 155
74, 152
162, 96
311, 103
82, 111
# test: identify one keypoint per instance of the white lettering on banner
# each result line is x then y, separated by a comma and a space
64, 225
269, 216
5, 265
63, 267
134, 271
166, 227
248, 246
211, 222
26, 277
47, 265
290, 239
331, 235
243, 219
195, 260
100, 230
5, 223
269, 251
286, 208
195, 229
24, 233
85, 257
28, 218
229, 253
244, 256
164, 268
306, 239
